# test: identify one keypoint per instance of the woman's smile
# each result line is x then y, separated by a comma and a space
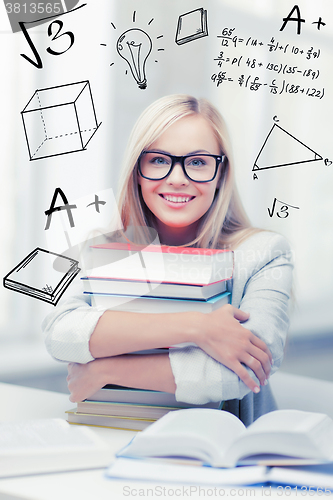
176, 200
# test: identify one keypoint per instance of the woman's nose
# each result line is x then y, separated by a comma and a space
177, 175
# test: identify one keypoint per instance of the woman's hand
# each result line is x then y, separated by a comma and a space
226, 340
150, 371
84, 380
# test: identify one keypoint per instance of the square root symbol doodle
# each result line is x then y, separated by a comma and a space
59, 120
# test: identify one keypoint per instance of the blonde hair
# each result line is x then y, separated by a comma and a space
225, 224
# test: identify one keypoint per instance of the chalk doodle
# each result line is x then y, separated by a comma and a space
287, 150
298, 71
299, 20
71, 222
97, 203
135, 46
191, 26
37, 277
54, 33
283, 212
229, 38
59, 120
68, 207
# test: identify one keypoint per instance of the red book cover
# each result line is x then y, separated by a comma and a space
168, 264
160, 248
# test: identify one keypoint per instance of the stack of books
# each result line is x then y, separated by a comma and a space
126, 408
151, 279
159, 278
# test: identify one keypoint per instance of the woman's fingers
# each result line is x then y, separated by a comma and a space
259, 357
239, 314
262, 346
262, 358
256, 367
233, 345
244, 375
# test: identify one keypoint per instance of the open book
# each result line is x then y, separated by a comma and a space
49, 445
220, 439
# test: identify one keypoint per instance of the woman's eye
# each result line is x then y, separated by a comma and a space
196, 162
159, 161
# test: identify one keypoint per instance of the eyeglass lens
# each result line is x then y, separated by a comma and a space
198, 167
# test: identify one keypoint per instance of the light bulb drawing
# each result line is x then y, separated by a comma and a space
135, 45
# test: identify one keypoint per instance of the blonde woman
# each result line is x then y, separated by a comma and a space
178, 178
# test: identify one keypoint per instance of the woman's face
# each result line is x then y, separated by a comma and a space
177, 202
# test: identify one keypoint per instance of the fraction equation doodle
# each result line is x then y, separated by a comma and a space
228, 40
281, 68
254, 84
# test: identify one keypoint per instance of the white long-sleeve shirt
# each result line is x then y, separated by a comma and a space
261, 286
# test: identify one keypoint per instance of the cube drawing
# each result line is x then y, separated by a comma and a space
59, 120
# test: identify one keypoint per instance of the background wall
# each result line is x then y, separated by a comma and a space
258, 76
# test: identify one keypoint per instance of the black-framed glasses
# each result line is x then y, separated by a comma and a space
155, 166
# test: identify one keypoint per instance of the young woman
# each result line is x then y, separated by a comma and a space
178, 178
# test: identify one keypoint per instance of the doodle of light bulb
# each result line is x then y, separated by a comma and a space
134, 46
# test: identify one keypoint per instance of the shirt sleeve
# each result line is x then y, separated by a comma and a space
68, 328
265, 294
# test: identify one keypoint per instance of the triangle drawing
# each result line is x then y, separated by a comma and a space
282, 149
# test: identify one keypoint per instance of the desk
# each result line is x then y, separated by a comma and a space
19, 403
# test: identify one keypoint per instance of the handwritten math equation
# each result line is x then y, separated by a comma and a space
259, 72
280, 209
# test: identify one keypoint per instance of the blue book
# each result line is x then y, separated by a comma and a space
157, 304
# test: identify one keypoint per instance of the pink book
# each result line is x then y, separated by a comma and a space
160, 263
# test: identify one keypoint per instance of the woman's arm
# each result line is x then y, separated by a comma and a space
77, 332
262, 285
235, 346
219, 334
151, 372
119, 332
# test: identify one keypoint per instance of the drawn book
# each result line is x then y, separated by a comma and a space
158, 305
36, 276
191, 26
220, 439
156, 264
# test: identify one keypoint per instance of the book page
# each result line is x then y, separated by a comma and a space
314, 475
44, 436
198, 433
161, 470
286, 421
289, 433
